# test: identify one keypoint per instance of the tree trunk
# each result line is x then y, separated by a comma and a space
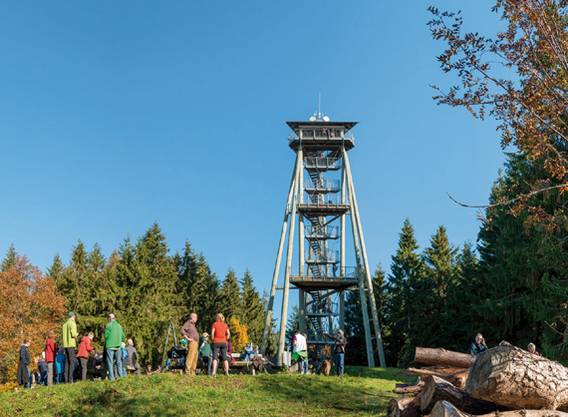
437, 389
457, 379
427, 356
403, 407
515, 378
446, 409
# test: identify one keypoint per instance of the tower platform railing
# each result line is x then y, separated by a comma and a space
321, 233
321, 164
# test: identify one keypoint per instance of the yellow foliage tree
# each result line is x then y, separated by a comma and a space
30, 306
239, 334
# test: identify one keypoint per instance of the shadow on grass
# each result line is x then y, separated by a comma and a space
114, 403
388, 374
327, 393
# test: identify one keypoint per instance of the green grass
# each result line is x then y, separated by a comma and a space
364, 392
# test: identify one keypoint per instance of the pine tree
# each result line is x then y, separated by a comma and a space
406, 271
10, 259
229, 301
253, 311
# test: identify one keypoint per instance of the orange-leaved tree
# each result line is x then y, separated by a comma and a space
30, 306
239, 334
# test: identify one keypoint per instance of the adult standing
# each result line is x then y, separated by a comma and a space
50, 352
190, 333
69, 344
114, 336
24, 360
478, 345
132, 359
300, 351
85, 349
220, 334
339, 351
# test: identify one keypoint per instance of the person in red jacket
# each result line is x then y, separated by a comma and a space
84, 349
50, 352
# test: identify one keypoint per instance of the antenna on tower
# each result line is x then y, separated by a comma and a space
319, 116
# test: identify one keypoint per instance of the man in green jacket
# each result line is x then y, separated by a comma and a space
114, 336
69, 344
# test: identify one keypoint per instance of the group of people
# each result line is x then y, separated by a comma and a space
478, 345
300, 352
61, 363
207, 348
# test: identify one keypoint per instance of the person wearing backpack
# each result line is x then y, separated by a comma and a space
114, 336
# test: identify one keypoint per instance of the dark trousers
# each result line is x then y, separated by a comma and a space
84, 362
70, 361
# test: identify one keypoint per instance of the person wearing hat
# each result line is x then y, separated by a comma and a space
205, 352
69, 344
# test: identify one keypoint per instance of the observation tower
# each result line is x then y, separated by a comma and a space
322, 204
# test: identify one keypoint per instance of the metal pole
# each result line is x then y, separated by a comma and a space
270, 306
289, 252
301, 253
355, 210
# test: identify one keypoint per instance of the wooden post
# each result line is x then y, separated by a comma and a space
270, 306
289, 252
369, 281
301, 253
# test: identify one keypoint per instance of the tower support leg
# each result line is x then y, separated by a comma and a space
270, 306
369, 282
289, 252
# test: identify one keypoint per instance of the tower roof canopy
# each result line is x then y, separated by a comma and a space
321, 123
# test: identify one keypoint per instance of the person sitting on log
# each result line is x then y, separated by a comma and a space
531, 347
478, 345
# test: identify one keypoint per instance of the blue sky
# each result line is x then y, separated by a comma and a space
115, 115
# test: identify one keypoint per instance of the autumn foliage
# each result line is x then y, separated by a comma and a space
518, 76
239, 334
30, 306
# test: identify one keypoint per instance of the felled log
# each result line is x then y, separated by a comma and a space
458, 379
447, 409
403, 407
409, 389
437, 389
428, 356
515, 378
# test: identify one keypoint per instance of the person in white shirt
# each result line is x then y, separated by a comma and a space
300, 351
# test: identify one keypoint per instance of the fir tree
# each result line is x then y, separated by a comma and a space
253, 311
56, 269
406, 271
429, 295
229, 301
10, 259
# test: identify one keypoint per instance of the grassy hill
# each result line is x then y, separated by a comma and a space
363, 393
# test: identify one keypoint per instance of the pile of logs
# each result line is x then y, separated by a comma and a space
505, 381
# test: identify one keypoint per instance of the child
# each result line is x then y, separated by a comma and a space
60, 365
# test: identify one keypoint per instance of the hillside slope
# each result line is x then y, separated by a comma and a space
363, 393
